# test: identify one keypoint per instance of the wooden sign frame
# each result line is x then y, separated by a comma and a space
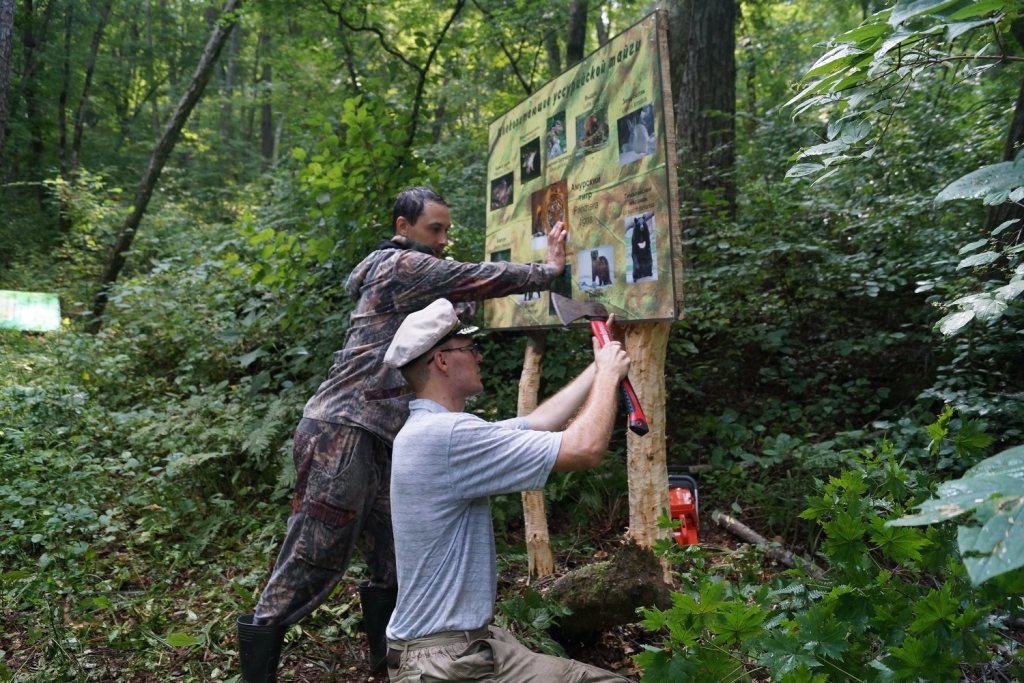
595, 148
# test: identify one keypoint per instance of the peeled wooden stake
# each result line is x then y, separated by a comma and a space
538, 545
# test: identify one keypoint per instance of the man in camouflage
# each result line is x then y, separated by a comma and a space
342, 446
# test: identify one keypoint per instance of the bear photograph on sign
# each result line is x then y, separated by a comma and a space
640, 256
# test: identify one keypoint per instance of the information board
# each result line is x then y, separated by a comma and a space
594, 148
29, 311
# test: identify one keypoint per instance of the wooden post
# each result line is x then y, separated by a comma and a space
647, 344
538, 545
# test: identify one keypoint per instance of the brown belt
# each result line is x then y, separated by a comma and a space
397, 647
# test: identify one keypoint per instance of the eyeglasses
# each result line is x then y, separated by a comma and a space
472, 347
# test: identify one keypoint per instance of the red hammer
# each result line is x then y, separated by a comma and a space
570, 311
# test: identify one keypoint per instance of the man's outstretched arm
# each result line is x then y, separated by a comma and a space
586, 439
554, 413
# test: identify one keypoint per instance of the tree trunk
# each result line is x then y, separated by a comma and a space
554, 53
647, 345
116, 260
576, 36
83, 104
62, 103
266, 113
30, 42
703, 44
602, 30
229, 82
6, 45
538, 544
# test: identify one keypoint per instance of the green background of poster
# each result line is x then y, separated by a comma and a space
607, 183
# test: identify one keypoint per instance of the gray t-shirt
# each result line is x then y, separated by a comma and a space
443, 468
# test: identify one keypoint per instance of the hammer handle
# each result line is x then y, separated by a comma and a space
637, 419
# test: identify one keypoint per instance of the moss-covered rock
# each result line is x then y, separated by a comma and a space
606, 594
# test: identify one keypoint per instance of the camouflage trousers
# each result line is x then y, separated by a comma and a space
341, 502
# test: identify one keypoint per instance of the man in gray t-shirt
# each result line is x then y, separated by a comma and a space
445, 464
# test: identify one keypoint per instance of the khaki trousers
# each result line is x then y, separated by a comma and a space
488, 654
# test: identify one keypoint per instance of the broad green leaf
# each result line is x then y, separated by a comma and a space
1010, 291
1000, 540
825, 148
1008, 463
299, 153
1004, 225
801, 170
987, 179
836, 58
960, 496
248, 359
856, 131
982, 259
954, 322
901, 36
738, 622
908, 9
972, 246
896, 543
979, 8
863, 35
181, 640
957, 29
783, 654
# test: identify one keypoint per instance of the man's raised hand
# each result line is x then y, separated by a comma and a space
556, 247
611, 360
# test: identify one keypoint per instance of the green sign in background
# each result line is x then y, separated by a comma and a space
29, 311
592, 148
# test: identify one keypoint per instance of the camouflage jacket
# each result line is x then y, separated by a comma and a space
393, 281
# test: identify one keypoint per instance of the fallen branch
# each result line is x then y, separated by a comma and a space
777, 553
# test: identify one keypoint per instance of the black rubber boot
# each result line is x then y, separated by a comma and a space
259, 649
377, 604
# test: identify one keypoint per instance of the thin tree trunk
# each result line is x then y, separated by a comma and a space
278, 134
602, 30
229, 82
90, 68
554, 53
6, 45
576, 37
704, 43
266, 113
150, 71
116, 260
62, 101
540, 560
30, 42
350, 64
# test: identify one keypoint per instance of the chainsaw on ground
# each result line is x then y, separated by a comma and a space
684, 504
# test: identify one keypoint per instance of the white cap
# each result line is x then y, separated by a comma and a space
422, 330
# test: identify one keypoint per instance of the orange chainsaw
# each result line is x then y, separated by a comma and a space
684, 504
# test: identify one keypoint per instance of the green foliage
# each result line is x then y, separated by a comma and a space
992, 542
530, 616
895, 603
